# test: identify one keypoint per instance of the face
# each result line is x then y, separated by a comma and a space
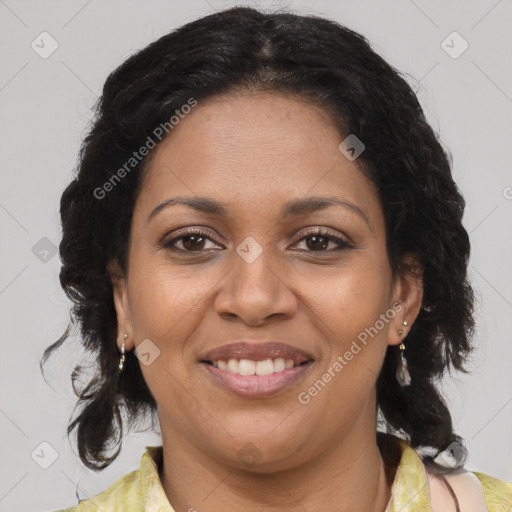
298, 289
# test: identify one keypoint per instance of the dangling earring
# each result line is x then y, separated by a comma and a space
121, 361
402, 372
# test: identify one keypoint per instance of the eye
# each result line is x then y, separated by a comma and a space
320, 240
194, 241
191, 241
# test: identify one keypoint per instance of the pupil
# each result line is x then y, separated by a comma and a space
315, 244
196, 238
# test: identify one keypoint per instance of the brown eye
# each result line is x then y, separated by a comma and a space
318, 241
193, 242
190, 241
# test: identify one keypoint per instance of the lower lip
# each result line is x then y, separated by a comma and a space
258, 386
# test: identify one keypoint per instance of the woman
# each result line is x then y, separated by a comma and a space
264, 248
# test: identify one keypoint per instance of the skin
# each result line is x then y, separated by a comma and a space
255, 152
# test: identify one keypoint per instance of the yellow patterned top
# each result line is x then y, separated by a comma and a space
142, 491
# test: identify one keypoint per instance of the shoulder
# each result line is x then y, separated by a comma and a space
134, 491
415, 488
498, 493
122, 495
473, 491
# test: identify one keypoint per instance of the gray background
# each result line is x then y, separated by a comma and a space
45, 106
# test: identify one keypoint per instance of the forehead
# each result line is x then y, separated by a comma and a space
254, 149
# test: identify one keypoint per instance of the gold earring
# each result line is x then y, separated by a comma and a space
121, 361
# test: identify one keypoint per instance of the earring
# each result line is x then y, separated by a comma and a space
401, 331
121, 361
402, 372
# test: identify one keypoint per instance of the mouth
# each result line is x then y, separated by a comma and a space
256, 370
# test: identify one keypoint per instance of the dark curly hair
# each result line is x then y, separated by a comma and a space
320, 61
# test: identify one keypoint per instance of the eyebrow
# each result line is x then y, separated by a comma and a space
291, 208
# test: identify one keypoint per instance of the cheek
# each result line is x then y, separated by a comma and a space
165, 298
164, 308
355, 296
358, 315
168, 303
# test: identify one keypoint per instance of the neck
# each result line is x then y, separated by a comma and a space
352, 476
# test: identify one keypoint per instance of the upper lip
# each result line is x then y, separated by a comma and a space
256, 351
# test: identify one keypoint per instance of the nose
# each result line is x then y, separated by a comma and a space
255, 291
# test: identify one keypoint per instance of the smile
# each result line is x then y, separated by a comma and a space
249, 367
256, 369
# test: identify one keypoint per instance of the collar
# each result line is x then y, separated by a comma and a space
152, 492
410, 490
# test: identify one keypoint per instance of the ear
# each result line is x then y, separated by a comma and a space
121, 303
408, 292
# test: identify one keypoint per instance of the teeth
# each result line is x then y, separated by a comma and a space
232, 366
265, 367
279, 364
248, 367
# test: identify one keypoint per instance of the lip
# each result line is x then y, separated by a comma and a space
256, 351
257, 386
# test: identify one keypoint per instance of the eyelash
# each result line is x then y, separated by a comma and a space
342, 243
